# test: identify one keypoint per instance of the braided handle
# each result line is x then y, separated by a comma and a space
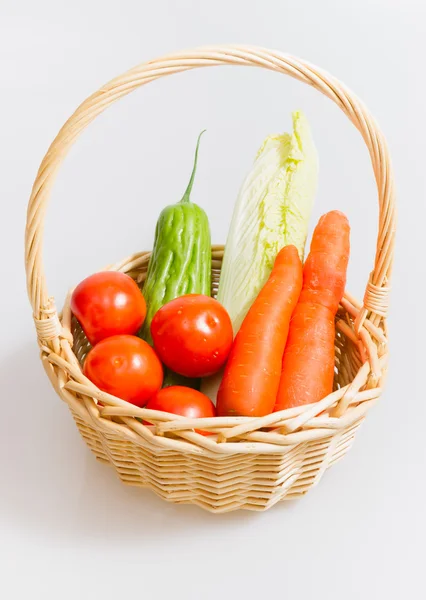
377, 290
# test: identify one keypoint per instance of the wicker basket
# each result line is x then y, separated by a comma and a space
248, 463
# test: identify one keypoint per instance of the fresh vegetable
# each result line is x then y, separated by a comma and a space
252, 374
108, 303
308, 363
125, 366
183, 401
181, 259
192, 335
272, 211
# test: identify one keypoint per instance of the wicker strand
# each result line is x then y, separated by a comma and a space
376, 299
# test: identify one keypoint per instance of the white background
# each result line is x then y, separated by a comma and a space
68, 527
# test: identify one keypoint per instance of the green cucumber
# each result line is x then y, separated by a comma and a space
180, 262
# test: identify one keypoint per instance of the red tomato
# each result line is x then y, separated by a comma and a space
108, 303
192, 335
184, 401
125, 366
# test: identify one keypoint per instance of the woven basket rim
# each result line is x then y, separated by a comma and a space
348, 404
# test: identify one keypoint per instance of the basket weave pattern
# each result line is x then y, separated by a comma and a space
249, 463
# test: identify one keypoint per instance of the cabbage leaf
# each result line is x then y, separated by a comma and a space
272, 211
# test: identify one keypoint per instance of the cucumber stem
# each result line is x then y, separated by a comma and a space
185, 197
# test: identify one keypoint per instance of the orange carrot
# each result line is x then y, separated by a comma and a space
252, 374
308, 363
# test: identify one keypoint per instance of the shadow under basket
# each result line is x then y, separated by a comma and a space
247, 463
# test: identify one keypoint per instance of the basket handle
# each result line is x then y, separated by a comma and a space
377, 290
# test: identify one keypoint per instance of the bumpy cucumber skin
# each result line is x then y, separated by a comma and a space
181, 259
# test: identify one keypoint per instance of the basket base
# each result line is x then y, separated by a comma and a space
224, 483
